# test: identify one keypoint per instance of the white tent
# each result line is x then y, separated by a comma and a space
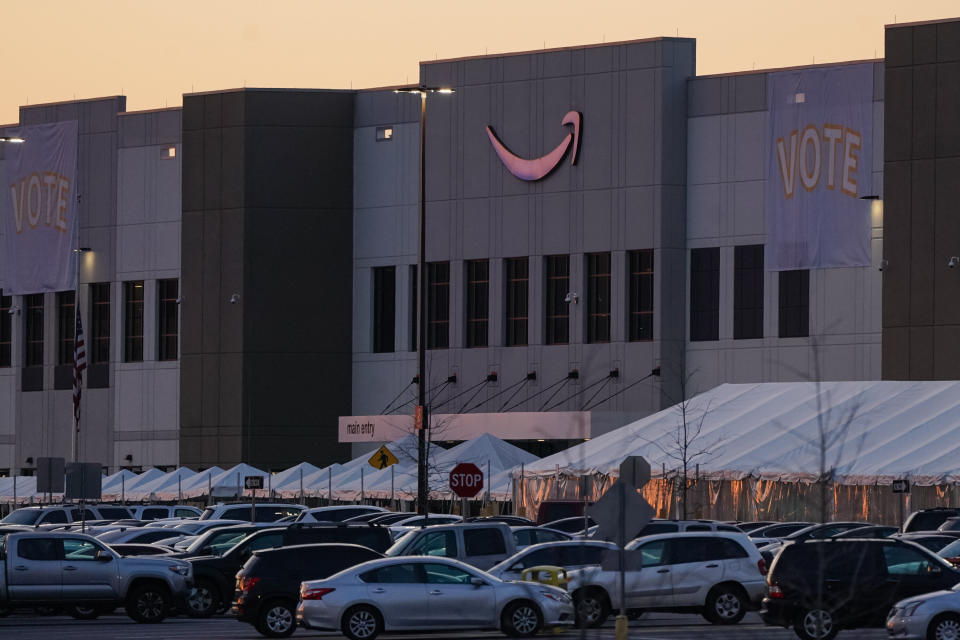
354, 477
873, 431
164, 487
200, 483
289, 480
115, 483
229, 483
315, 484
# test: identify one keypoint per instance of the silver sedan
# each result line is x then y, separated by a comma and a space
424, 593
934, 615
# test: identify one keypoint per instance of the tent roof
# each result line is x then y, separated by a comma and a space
871, 431
112, 482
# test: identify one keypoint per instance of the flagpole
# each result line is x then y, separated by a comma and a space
75, 442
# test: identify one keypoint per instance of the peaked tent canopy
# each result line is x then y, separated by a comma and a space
163, 488
871, 431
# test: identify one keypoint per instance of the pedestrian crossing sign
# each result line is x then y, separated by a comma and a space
383, 458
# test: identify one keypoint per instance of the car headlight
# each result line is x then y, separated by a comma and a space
910, 608
556, 596
181, 570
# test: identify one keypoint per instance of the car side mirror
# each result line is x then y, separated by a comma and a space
478, 582
103, 556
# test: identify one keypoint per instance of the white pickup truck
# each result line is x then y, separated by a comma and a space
79, 573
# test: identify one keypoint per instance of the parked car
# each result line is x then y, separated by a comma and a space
819, 587
160, 511
401, 594
479, 544
268, 585
513, 521
214, 575
950, 524
813, 532
526, 536
717, 573
573, 525
80, 573
401, 527
931, 616
931, 541
951, 553
747, 527
929, 519
64, 514
263, 512
337, 513
381, 518
569, 554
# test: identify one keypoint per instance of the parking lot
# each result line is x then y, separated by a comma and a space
119, 627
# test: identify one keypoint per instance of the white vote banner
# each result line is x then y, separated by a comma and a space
820, 164
39, 209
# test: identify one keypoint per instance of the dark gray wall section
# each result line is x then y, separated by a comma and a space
921, 295
267, 199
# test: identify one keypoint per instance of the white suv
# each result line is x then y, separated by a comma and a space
717, 572
65, 514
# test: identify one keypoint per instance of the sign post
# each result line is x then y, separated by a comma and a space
253, 483
621, 513
901, 487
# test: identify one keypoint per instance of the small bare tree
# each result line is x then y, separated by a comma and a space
686, 444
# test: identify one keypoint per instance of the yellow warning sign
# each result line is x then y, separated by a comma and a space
383, 458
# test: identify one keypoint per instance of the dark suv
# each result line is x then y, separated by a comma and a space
213, 576
268, 585
929, 519
822, 586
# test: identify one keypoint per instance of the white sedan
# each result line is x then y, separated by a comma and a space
420, 593
934, 615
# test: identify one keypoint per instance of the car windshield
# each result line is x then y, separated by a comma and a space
216, 538
207, 513
401, 543
801, 532
189, 527
22, 516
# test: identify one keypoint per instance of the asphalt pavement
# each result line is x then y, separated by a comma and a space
119, 627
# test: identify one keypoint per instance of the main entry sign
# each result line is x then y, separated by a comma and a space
466, 480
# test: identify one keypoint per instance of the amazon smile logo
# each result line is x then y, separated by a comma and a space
537, 168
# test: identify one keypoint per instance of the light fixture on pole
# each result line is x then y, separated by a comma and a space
421, 417
12, 139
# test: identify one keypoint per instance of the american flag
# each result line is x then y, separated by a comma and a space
79, 364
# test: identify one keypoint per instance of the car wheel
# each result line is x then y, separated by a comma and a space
148, 603
725, 605
202, 601
815, 624
521, 620
361, 623
946, 626
277, 619
83, 612
591, 608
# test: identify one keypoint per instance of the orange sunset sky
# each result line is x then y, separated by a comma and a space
154, 51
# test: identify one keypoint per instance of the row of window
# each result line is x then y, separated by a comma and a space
794, 296
97, 328
557, 300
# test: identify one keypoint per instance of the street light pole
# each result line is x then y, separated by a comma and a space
422, 413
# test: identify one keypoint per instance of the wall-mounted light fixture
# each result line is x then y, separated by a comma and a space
571, 298
30, 460
953, 262
234, 298
129, 457
883, 264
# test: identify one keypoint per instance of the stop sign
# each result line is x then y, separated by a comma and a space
466, 480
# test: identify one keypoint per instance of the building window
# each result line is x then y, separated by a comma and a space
478, 302
98, 338
518, 286
704, 294
795, 304
598, 297
438, 305
414, 307
133, 321
748, 292
557, 308
384, 303
33, 329
640, 318
66, 326
384, 134
167, 319
6, 331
